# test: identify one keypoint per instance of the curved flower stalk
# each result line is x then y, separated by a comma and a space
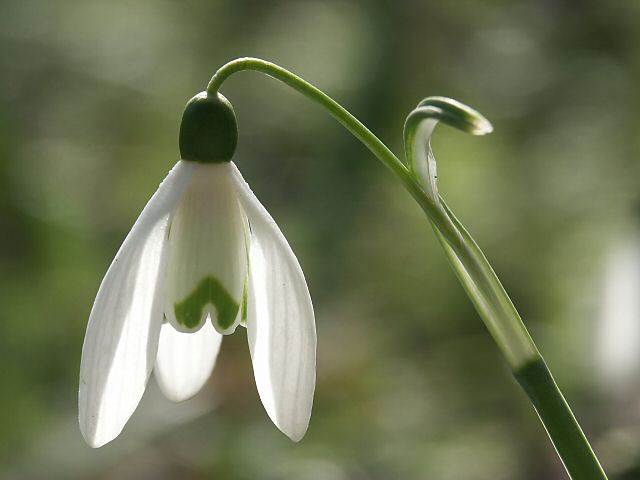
205, 256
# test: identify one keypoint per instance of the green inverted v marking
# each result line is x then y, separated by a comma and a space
209, 291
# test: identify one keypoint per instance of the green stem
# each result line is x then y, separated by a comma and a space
563, 428
475, 274
351, 123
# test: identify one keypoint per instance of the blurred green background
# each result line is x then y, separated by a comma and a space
410, 384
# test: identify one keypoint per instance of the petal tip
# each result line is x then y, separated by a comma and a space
296, 437
175, 398
93, 440
173, 395
295, 432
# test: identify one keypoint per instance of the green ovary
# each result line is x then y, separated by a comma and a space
189, 312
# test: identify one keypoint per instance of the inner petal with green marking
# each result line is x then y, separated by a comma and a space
207, 254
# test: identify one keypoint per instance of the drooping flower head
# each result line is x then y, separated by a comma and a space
203, 257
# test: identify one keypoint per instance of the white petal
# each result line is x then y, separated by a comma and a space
207, 259
280, 322
120, 344
185, 360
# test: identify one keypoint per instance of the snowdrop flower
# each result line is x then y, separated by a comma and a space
203, 257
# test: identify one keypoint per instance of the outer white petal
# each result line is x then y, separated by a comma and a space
185, 360
120, 344
280, 321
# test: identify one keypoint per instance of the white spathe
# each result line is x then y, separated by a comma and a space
425, 164
199, 224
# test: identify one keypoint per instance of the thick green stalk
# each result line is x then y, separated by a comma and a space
472, 268
563, 428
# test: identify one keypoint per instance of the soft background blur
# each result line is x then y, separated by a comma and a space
410, 384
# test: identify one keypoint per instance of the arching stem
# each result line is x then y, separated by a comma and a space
351, 123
